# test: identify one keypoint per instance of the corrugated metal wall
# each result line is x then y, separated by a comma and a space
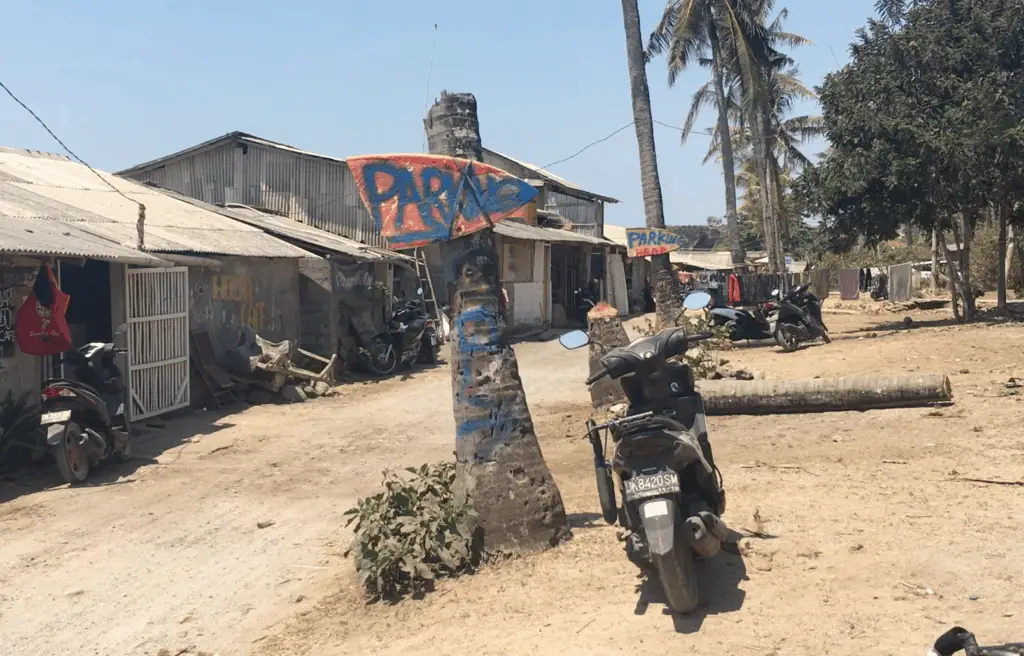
587, 216
321, 193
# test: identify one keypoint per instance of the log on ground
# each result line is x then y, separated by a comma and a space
755, 397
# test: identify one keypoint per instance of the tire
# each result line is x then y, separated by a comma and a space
787, 342
72, 459
383, 359
678, 572
606, 494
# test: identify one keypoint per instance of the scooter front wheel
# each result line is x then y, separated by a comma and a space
71, 456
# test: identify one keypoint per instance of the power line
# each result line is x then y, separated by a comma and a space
588, 146
64, 146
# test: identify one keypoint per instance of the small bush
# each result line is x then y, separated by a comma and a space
411, 533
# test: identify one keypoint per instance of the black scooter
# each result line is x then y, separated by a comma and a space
672, 495
403, 343
796, 318
743, 325
85, 418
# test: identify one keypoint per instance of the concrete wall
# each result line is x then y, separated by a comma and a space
529, 294
318, 329
259, 292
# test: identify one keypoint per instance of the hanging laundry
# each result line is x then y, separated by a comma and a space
849, 284
735, 293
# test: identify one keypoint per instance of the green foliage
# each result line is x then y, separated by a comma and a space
925, 123
19, 425
411, 533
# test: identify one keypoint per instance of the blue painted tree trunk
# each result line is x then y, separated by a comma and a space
501, 469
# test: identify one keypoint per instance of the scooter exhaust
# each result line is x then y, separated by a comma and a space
706, 534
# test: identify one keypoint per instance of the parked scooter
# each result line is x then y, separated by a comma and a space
585, 302
85, 418
672, 494
796, 318
403, 343
960, 639
743, 325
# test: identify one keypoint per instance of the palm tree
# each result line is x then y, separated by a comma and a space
711, 33
666, 296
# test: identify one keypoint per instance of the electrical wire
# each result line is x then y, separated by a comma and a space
64, 145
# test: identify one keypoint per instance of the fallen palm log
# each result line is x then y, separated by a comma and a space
756, 397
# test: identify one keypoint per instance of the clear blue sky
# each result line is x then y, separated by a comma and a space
124, 82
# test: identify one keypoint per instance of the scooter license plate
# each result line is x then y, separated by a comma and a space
58, 417
654, 485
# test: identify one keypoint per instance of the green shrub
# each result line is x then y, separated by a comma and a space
412, 533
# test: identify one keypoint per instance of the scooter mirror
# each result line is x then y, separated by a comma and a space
775, 293
419, 291
122, 329
574, 339
697, 301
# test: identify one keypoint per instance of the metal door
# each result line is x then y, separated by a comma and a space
156, 305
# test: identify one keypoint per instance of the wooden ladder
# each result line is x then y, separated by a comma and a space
429, 297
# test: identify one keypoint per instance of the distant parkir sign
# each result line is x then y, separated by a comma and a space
644, 242
419, 199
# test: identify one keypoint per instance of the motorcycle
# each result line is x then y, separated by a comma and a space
960, 639
585, 302
796, 318
672, 495
84, 418
411, 335
743, 325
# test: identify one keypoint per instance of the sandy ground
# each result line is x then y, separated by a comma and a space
870, 546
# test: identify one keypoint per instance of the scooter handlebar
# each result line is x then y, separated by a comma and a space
596, 377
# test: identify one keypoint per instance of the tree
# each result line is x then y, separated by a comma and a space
499, 464
666, 295
925, 126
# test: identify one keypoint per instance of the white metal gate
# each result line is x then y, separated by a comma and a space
156, 304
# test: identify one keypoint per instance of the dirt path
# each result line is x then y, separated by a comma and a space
859, 506
169, 555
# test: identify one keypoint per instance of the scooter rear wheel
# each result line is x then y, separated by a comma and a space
72, 458
786, 340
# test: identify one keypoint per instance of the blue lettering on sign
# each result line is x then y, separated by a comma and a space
440, 190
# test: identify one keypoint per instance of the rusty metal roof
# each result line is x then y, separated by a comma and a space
514, 230
46, 187
548, 176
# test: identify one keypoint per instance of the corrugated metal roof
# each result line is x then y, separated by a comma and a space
46, 186
514, 230
235, 136
30, 235
309, 236
551, 177
708, 260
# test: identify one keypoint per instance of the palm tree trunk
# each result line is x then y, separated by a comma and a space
499, 465
935, 261
728, 163
666, 294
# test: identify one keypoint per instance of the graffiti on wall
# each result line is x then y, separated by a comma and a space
238, 289
15, 286
644, 242
419, 199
